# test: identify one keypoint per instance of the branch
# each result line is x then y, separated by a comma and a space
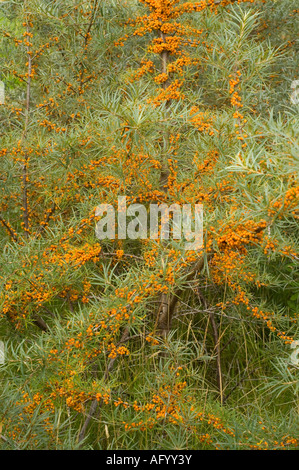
94, 404
38, 321
216, 342
25, 166
165, 316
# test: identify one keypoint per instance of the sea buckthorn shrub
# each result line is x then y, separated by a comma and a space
161, 101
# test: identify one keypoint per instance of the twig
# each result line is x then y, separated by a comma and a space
38, 321
165, 316
6, 440
94, 404
216, 341
126, 255
6, 225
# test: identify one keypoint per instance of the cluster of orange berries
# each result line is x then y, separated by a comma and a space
201, 120
173, 36
115, 351
288, 202
147, 66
